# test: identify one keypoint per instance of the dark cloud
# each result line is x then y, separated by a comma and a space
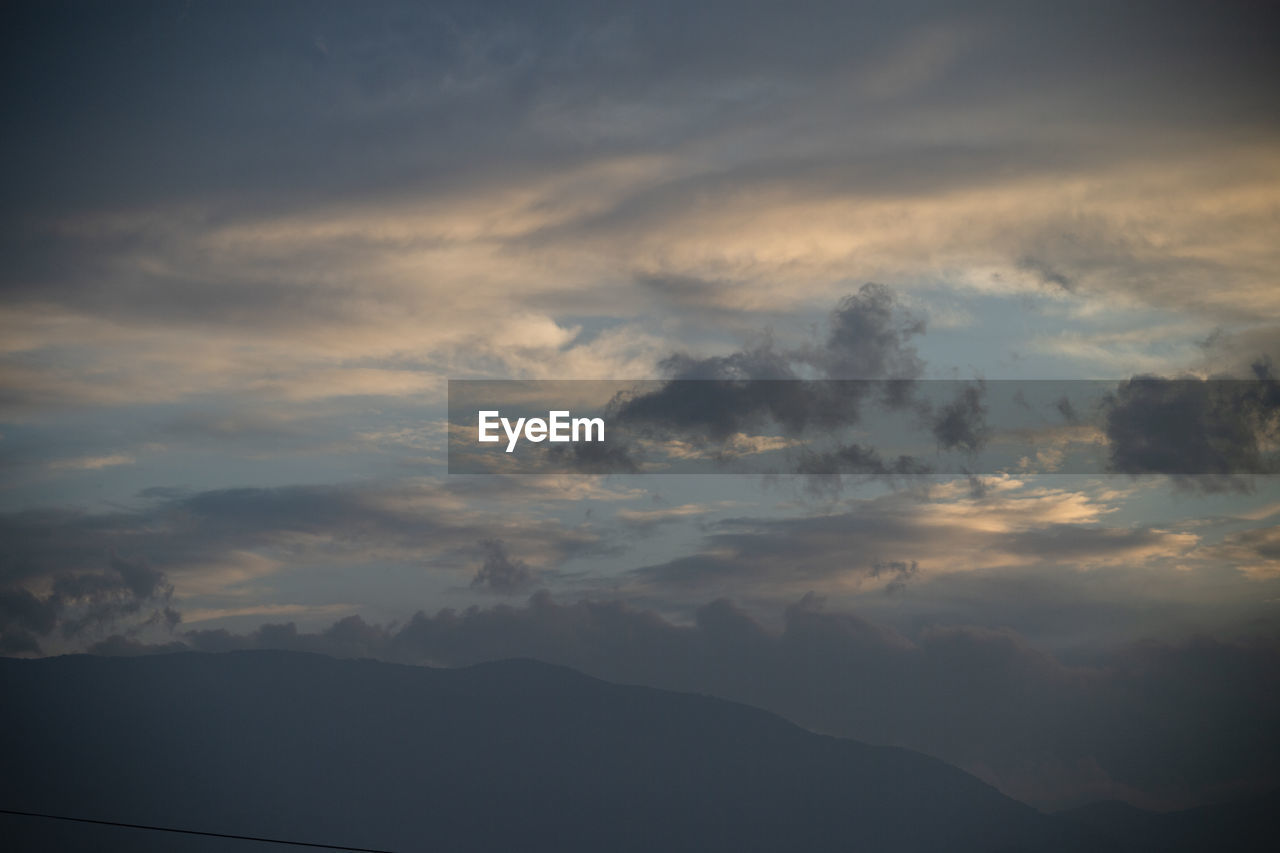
769, 555
1067, 409
869, 338
104, 569
899, 572
723, 413
1262, 541
499, 572
611, 456
1241, 352
690, 292
1047, 273
23, 617
141, 579
977, 487
1208, 434
856, 459
711, 410
129, 595
18, 641
1158, 724
141, 73
825, 471
178, 527
962, 422
1255, 551
710, 399
866, 363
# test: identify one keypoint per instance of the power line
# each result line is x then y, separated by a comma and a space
310, 844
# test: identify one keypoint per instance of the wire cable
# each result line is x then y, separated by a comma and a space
313, 845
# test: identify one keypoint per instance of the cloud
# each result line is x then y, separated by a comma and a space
825, 470
1067, 409
613, 457
593, 164
127, 596
23, 616
718, 409
962, 422
869, 338
499, 572
646, 521
899, 573
716, 398
225, 542
1207, 434
168, 251
1010, 526
1255, 552
866, 361
92, 463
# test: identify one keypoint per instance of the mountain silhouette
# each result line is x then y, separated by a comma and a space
1249, 824
508, 756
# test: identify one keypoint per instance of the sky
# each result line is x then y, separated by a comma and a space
248, 245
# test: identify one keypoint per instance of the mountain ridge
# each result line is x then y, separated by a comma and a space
512, 754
